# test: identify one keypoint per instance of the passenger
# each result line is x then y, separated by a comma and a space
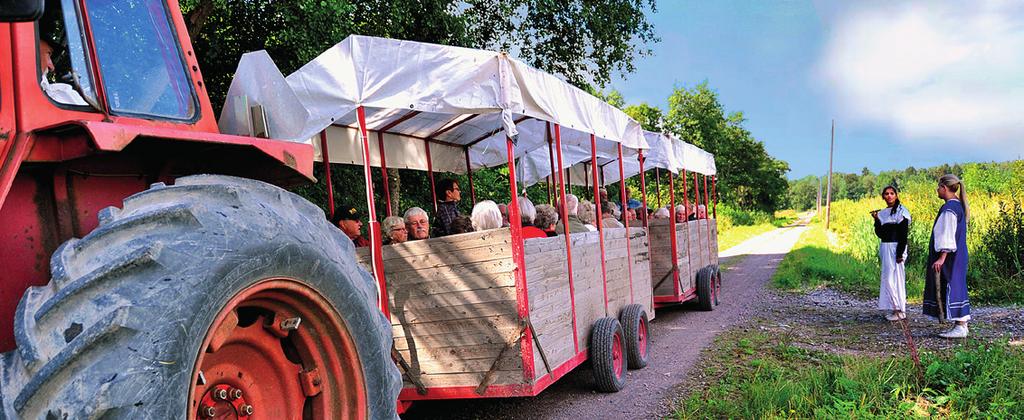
503, 208
691, 213
394, 230
59, 92
546, 219
702, 212
347, 219
448, 207
608, 215
680, 213
527, 214
603, 193
631, 206
572, 205
486, 215
661, 213
461, 224
587, 215
417, 224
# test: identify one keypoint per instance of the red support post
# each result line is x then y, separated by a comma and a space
600, 229
643, 186
377, 259
551, 155
324, 157
625, 222
518, 255
672, 238
564, 210
430, 174
714, 194
706, 205
469, 173
384, 172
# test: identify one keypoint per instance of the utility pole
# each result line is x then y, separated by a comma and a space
828, 193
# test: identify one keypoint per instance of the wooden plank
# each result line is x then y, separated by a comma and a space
457, 326
414, 301
501, 377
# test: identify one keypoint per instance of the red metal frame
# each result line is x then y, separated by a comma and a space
551, 158
600, 229
564, 210
714, 193
377, 258
430, 174
384, 173
706, 205
326, 160
643, 186
625, 222
672, 238
519, 256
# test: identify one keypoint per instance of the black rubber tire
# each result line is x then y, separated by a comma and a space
601, 342
716, 276
116, 332
705, 299
633, 318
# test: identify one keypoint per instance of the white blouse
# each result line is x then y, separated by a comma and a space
885, 215
944, 232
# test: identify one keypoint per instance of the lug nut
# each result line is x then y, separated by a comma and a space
209, 411
291, 324
220, 394
235, 394
246, 410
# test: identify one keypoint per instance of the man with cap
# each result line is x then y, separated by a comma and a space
347, 218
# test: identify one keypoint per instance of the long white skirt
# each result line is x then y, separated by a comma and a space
892, 295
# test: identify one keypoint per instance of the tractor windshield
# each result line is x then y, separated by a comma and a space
140, 62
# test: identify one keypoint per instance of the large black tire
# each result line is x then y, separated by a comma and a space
705, 285
117, 331
716, 281
605, 333
636, 334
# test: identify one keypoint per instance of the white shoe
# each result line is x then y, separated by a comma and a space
958, 331
891, 316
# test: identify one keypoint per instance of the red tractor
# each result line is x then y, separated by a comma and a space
151, 267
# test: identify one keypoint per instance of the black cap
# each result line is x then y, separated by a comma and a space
346, 213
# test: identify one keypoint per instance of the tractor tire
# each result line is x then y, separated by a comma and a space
634, 330
716, 281
705, 289
607, 351
184, 274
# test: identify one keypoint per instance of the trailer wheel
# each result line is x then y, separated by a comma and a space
717, 282
634, 330
217, 297
607, 355
706, 289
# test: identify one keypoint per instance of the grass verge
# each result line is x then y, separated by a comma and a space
758, 375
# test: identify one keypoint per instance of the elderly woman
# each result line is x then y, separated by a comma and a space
486, 215
393, 228
661, 213
587, 215
546, 219
527, 215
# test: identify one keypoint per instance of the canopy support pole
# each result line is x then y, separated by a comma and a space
714, 194
657, 186
600, 229
625, 222
686, 220
327, 173
551, 153
564, 210
469, 173
430, 174
384, 172
518, 255
706, 205
643, 187
377, 259
696, 202
672, 238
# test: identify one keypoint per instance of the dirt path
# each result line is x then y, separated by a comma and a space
677, 337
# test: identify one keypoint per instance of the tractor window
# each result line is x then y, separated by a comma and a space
64, 73
140, 61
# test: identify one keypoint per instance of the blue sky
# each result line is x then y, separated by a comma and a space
908, 83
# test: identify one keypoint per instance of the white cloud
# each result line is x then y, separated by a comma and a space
952, 71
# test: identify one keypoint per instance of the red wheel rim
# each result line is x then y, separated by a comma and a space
617, 354
256, 361
641, 337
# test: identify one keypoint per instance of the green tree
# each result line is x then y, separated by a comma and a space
649, 117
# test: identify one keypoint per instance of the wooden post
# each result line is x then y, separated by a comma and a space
828, 200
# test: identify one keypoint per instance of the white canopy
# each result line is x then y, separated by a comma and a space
462, 101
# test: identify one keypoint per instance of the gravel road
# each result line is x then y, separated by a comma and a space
677, 337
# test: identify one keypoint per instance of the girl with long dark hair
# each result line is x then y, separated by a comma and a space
892, 226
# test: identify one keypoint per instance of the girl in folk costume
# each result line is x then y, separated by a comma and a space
945, 288
892, 225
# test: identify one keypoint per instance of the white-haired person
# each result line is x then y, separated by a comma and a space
546, 219
394, 230
572, 206
486, 216
608, 215
527, 215
702, 212
588, 215
418, 223
661, 213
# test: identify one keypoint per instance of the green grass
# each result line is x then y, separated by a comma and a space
731, 234
756, 375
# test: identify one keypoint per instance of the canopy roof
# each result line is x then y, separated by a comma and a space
462, 101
